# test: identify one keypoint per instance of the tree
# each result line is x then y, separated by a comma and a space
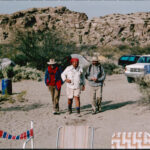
38, 47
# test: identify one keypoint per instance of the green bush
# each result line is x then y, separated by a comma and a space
37, 48
144, 87
22, 72
20, 59
109, 67
18, 73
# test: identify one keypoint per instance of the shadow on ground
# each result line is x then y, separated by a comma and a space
117, 105
23, 108
84, 108
107, 106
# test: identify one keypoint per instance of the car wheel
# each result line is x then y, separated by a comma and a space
130, 80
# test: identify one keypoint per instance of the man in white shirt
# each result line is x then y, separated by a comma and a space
73, 76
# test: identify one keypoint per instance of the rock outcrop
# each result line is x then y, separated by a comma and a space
109, 30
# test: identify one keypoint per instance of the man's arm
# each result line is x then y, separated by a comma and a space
46, 76
64, 76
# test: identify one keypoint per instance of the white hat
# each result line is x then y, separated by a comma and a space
94, 58
51, 62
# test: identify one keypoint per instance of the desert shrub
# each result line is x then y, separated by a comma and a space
37, 48
18, 73
20, 59
23, 72
21, 96
7, 50
118, 70
109, 67
144, 87
6, 97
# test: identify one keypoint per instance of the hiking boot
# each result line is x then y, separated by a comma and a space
93, 112
54, 112
69, 111
78, 111
99, 109
78, 115
58, 112
99, 101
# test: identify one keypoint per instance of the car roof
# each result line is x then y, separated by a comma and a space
145, 55
130, 55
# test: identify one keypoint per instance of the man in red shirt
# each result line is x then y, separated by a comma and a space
53, 81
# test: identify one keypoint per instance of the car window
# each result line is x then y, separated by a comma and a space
144, 59
132, 58
124, 58
148, 59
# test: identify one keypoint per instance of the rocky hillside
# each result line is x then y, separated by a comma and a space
115, 29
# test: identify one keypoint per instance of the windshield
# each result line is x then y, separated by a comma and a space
124, 58
144, 59
128, 58
131, 58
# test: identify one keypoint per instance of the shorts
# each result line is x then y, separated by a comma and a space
72, 92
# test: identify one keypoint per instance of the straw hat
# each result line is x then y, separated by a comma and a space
51, 62
94, 58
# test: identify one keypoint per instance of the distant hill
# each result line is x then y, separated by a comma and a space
110, 30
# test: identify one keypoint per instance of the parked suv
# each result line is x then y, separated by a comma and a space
127, 60
141, 68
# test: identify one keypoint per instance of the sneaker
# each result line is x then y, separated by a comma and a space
93, 112
54, 112
99, 110
78, 115
58, 113
69, 112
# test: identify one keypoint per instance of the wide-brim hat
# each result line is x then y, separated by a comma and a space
51, 62
95, 59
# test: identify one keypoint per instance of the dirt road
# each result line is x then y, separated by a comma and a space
120, 112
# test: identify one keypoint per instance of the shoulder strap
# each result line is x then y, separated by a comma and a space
90, 68
98, 66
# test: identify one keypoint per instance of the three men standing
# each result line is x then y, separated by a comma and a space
95, 75
74, 77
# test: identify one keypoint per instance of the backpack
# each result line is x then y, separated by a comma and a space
90, 70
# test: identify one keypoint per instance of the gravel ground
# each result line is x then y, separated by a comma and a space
120, 112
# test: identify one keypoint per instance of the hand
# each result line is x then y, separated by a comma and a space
94, 79
68, 81
83, 88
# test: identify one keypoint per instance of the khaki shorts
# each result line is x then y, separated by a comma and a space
73, 92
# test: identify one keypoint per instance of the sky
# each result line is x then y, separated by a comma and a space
93, 8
